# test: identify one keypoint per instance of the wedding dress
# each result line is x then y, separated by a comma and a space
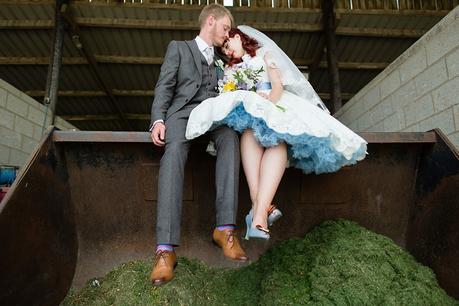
317, 142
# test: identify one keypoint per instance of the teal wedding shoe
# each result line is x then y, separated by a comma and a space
248, 224
274, 214
259, 232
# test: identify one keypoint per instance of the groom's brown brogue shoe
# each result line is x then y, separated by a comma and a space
228, 241
163, 270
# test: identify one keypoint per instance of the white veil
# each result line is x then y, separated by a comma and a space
292, 78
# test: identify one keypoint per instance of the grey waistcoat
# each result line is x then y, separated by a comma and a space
208, 87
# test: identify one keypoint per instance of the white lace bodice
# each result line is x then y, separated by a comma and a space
254, 63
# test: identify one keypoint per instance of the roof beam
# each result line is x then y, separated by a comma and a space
94, 93
22, 60
393, 12
24, 24
130, 93
344, 95
377, 32
191, 25
271, 27
114, 59
185, 25
145, 117
68, 93
129, 59
28, 2
358, 65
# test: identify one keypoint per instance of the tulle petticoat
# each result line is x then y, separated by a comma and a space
317, 142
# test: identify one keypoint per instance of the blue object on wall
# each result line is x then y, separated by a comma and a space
7, 175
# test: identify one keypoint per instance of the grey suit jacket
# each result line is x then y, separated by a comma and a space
179, 80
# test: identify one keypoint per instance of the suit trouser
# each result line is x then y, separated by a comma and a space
172, 170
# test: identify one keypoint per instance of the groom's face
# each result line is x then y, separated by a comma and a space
220, 30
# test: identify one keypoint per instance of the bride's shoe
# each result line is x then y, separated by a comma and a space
259, 232
248, 223
274, 214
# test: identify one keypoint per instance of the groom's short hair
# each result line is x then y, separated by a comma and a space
217, 10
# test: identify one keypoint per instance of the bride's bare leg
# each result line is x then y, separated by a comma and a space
271, 171
251, 154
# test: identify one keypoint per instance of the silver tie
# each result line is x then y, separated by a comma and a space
209, 55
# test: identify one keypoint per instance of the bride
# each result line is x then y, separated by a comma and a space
264, 96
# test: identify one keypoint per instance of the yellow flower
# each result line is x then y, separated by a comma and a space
230, 86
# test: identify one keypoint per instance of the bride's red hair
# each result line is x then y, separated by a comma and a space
249, 44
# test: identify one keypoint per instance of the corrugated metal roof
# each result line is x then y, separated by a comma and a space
132, 42
129, 42
371, 49
84, 106
385, 21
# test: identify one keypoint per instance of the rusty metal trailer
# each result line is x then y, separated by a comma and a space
85, 202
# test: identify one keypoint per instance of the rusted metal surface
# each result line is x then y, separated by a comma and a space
38, 245
111, 181
109, 136
102, 136
433, 235
399, 137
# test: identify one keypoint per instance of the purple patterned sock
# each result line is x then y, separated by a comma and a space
165, 247
226, 226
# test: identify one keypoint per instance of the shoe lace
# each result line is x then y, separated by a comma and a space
161, 255
230, 238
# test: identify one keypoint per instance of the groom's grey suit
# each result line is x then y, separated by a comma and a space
186, 79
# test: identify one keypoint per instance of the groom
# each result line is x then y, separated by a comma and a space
188, 76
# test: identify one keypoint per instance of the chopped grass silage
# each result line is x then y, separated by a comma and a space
338, 263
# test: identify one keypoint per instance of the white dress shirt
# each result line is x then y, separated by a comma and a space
203, 46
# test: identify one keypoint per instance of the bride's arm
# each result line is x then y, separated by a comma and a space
275, 79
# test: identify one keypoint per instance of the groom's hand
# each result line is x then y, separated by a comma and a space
158, 133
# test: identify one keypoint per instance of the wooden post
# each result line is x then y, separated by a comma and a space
317, 57
52, 82
330, 41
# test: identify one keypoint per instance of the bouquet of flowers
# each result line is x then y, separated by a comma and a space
240, 77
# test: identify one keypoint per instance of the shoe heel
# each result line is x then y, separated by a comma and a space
274, 216
248, 224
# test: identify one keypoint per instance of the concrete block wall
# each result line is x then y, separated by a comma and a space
419, 91
21, 121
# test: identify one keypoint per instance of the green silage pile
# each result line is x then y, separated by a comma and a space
338, 263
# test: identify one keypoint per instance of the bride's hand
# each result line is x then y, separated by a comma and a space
264, 95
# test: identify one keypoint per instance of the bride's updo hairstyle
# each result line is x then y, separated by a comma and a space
249, 44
